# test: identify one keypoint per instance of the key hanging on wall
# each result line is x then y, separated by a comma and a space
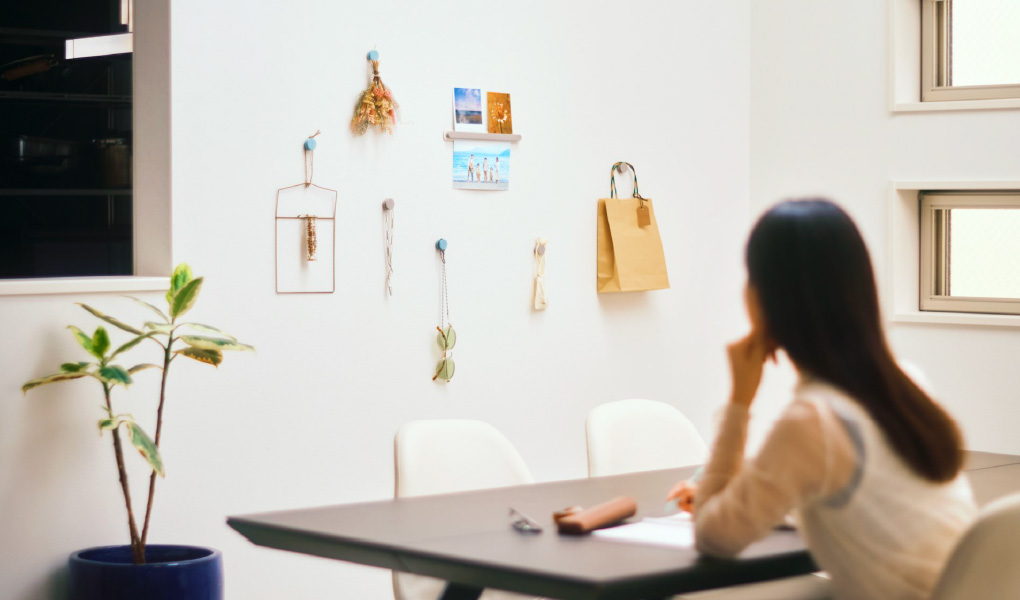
447, 337
540, 250
388, 217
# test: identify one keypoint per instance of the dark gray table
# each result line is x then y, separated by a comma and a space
466, 539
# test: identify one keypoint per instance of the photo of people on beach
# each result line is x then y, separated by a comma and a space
467, 110
479, 165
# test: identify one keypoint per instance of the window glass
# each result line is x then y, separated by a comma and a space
984, 252
985, 42
66, 138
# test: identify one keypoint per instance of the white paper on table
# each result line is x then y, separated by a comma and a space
676, 531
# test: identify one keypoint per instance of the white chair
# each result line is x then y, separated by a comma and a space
983, 565
446, 456
626, 436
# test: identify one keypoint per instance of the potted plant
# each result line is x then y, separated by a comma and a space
139, 570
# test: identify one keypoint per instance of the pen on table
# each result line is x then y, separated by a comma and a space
673, 506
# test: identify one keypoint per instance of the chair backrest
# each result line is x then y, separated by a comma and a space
444, 456
984, 563
640, 435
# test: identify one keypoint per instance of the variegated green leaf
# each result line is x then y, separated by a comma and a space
109, 423
132, 343
84, 340
143, 367
207, 329
210, 357
112, 422
181, 276
185, 297
115, 375
151, 307
112, 321
52, 379
211, 343
100, 342
74, 367
146, 447
159, 327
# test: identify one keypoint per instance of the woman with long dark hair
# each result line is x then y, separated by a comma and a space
869, 465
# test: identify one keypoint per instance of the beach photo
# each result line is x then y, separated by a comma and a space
467, 110
479, 165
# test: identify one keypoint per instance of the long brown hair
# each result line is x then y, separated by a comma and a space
814, 279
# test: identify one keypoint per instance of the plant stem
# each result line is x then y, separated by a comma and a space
137, 550
167, 357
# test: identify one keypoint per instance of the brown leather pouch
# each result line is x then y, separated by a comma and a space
582, 521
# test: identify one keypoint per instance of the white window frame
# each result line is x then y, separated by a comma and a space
935, 61
152, 227
934, 250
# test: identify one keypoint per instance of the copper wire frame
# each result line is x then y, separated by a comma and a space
276, 237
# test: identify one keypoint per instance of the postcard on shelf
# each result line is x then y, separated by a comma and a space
500, 119
467, 110
481, 165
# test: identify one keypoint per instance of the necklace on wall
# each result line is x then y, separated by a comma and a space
540, 248
447, 337
388, 217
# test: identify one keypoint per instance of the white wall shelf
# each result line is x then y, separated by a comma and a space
471, 135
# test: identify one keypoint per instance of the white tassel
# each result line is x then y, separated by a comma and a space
540, 299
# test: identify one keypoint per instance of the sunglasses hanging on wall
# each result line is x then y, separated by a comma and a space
447, 337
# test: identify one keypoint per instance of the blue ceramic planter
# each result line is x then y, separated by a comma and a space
170, 573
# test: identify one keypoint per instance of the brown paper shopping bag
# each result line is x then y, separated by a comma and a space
630, 256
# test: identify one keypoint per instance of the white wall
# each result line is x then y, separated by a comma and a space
820, 124
310, 419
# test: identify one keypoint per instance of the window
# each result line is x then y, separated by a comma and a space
970, 246
970, 49
66, 94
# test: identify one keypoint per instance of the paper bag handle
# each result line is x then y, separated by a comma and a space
612, 181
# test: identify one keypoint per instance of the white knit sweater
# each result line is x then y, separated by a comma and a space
878, 529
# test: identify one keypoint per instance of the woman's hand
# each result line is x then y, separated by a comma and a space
747, 360
683, 494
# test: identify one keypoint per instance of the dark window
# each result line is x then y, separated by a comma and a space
65, 142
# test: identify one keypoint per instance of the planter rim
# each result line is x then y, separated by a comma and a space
213, 554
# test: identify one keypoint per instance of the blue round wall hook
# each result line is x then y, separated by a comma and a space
373, 55
441, 244
310, 143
